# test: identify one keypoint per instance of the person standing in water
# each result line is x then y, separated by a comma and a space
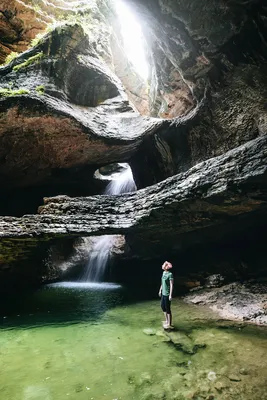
165, 292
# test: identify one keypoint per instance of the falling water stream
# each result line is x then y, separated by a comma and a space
100, 252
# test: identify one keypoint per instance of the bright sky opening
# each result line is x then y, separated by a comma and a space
133, 38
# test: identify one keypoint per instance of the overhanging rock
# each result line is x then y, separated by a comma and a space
209, 195
63, 108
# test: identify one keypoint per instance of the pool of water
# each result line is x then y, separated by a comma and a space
82, 342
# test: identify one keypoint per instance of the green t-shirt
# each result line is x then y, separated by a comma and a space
165, 281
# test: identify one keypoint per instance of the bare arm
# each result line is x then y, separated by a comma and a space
171, 289
160, 290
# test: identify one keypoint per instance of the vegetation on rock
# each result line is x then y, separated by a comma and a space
40, 89
31, 60
4, 92
11, 57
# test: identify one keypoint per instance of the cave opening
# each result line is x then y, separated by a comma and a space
117, 178
110, 179
133, 38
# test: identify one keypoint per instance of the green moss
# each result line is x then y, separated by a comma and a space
40, 89
11, 57
37, 39
31, 60
85, 21
36, 8
10, 92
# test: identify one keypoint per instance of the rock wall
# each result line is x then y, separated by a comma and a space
199, 158
64, 114
219, 50
219, 198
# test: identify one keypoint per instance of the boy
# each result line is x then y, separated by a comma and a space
165, 292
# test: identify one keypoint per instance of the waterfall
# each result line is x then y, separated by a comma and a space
98, 259
123, 184
100, 253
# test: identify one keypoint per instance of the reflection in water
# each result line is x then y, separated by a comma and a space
85, 285
62, 302
119, 351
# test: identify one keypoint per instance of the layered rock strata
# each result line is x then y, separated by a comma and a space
62, 108
65, 113
220, 62
219, 50
209, 199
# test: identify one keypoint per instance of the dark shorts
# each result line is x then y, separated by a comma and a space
165, 304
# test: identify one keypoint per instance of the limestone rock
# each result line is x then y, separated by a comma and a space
242, 302
77, 94
149, 332
167, 215
65, 114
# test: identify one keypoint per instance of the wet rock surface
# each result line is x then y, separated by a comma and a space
19, 24
71, 115
208, 194
237, 301
65, 112
176, 214
211, 74
21, 21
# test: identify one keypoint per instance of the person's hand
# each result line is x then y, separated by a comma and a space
170, 298
159, 293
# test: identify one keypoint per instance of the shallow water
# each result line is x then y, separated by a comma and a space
75, 342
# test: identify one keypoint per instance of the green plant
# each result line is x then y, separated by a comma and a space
11, 57
40, 89
31, 60
4, 92
37, 39
36, 8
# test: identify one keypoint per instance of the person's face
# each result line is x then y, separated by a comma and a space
166, 266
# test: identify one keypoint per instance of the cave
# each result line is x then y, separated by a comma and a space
134, 132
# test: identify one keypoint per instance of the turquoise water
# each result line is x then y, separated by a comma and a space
93, 342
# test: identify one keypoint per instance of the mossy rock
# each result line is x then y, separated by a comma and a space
31, 60
154, 395
40, 89
182, 342
4, 92
145, 379
149, 331
174, 382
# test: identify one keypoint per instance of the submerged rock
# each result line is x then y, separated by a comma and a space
221, 385
234, 378
184, 343
145, 379
149, 332
212, 376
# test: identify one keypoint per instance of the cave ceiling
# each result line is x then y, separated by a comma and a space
207, 90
